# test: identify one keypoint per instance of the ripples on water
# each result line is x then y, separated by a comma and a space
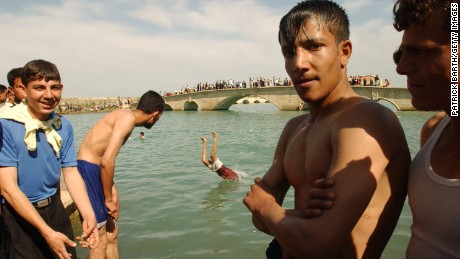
172, 206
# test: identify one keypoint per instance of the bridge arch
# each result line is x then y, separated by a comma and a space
191, 106
168, 107
252, 99
389, 101
270, 101
227, 102
231, 100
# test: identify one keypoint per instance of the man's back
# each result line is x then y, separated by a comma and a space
360, 144
107, 136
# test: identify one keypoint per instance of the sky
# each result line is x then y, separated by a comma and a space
127, 47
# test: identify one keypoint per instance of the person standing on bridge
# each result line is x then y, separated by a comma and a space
215, 164
344, 136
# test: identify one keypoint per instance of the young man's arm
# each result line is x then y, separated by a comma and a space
122, 129
77, 191
361, 153
21, 204
274, 181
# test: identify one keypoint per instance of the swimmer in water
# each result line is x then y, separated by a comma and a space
215, 164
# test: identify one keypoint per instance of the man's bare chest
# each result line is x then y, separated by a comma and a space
308, 154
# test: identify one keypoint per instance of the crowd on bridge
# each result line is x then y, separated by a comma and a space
369, 80
253, 82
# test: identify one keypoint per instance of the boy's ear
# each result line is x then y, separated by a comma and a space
156, 113
345, 49
23, 89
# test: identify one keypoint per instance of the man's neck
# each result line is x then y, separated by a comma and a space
332, 102
40, 117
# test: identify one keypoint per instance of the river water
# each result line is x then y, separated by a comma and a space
172, 206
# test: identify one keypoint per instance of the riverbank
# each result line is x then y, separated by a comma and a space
79, 105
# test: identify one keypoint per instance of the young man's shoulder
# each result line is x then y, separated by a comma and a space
430, 125
121, 114
117, 115
372, 109
434, 120
296, 121
372, 117
292, 125
10, 125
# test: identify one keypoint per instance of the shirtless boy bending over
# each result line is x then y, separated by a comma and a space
96, 163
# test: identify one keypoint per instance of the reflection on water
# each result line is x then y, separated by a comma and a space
214, 202
214, 209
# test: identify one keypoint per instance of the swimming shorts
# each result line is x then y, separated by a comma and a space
91, 174
216, 165
274, 250
227, 173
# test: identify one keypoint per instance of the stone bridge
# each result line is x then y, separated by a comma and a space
283, 97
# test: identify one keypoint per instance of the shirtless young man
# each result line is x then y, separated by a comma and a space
424, 57
96, 163
426, 61
215, 164
355, 141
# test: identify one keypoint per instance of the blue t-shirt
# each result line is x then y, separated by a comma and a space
39, 170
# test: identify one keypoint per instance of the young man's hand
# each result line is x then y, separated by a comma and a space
113, 208
57, 242
90, 236
320, 198
259, 197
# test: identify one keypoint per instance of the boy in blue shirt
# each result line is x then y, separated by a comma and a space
35, 145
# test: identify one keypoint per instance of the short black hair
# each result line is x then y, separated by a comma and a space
3, 88
13, 74
150, 102
327, 13
410, 12
39, 70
